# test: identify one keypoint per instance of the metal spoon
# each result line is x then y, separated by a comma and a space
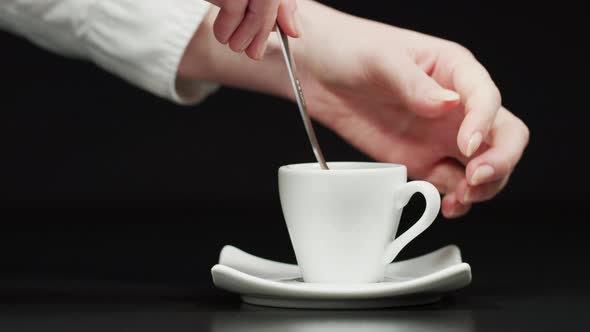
284, 41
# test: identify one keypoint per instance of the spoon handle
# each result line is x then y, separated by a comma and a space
284, 40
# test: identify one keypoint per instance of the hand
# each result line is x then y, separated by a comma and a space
246, 24
397, 95
408, 98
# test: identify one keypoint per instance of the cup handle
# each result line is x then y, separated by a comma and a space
403, 195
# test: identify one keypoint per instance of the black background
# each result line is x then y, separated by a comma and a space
197, 178
73, 132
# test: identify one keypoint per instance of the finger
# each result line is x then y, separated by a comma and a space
508, 138
422, 94
452, 208
481, 99
446, 175
287, 18
229, 18
257, 15
258, 45
469, 194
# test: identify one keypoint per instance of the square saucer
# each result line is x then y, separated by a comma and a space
415, 281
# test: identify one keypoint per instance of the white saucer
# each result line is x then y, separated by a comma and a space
414, 281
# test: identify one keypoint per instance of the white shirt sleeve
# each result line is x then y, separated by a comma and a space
141, 41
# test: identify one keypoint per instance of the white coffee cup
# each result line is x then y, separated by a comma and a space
342, 222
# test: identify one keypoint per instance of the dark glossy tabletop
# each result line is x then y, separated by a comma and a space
142, 274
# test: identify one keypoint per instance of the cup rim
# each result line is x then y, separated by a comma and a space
368, 167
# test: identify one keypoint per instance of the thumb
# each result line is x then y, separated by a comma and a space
420, 92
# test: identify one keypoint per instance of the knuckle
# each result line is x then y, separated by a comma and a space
290, 4
460, 49
526, 133
505, 165
262, 7
235, 6
504, 182
252, 17
496, 95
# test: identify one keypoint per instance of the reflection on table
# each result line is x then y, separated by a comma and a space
252, 318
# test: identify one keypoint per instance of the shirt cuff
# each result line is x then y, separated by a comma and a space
144, 41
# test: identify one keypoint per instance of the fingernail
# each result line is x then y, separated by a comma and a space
474, 143
467, 196
221, 34
481, 174
245, 44
224, 38
261, 52
444, 95
462, 210
451, 214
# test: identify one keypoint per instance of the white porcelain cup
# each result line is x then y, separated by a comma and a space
343, 221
